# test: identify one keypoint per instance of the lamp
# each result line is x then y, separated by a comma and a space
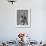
12, 1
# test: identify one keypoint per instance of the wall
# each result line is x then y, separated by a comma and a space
8, 28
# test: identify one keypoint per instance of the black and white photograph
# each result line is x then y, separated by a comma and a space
23, 17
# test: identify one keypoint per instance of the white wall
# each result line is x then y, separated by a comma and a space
8, 28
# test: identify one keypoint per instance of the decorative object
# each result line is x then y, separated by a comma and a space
23, 17
21, 36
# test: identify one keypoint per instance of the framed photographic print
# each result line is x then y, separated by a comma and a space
23, 17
